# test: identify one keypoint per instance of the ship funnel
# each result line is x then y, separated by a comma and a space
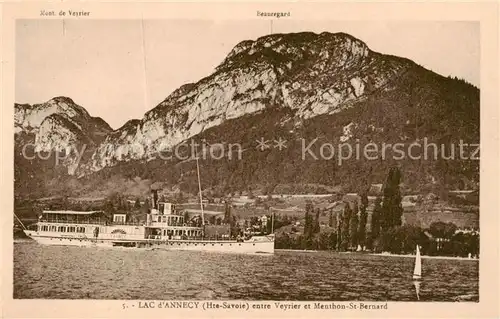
154, 194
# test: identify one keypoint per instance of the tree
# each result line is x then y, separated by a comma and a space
137, 204
316, 227
353, 226
307, 238
212, 220
377, 210
392, 210
108, 207
323, 241
146, 206
308, 223
363, 217
116, 202
254, 221
403, 239
330, 219
333, 240
339, 232
345, 235
233, 227
283, 242
442, 230
375, 223
227, 213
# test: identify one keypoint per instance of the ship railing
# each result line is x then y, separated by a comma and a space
95, 222
163, 224
202, 239
126, 224
76, 222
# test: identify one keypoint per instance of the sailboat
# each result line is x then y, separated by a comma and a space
417, 271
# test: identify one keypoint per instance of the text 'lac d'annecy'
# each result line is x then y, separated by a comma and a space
241, 305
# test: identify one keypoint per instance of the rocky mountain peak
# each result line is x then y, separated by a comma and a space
28, 117
62, 100
309, 74
337, 49
59, 125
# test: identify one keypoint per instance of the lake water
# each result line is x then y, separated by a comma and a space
58, 272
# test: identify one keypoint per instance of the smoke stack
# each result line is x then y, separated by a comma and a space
155, 198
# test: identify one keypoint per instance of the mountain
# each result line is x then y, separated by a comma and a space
301, 87
305, 73
58, 126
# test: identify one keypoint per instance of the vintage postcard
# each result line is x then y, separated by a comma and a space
250, 159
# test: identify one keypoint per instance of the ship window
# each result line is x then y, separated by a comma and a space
71, 229
119, 218
52, 228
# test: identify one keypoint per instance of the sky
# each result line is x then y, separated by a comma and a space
120, 69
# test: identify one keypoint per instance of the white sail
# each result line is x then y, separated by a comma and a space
417, 271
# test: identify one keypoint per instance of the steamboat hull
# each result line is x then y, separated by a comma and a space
265, 246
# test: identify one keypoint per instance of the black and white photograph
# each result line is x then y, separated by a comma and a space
211, 162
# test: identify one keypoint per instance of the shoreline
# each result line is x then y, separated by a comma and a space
298, 250
424, 256
381, 254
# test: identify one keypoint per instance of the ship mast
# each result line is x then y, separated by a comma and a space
199, 189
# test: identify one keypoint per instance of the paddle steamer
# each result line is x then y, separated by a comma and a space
165, 228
